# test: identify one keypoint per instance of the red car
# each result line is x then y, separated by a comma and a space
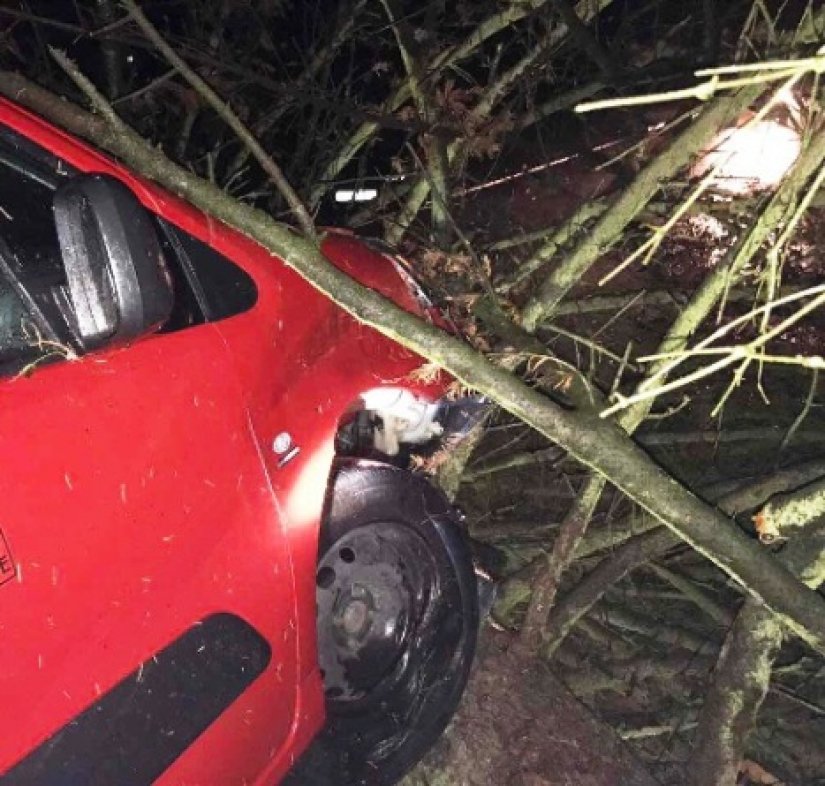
203, 465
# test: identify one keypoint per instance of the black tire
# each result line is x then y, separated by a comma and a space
397, 627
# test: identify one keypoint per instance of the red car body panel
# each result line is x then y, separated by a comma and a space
140, 493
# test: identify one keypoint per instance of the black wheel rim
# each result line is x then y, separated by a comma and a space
378, 590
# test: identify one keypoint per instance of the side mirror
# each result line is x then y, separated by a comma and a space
117, 279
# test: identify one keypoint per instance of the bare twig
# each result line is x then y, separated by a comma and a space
793, 429
365, 132
729, 354
266, 162
650, 299
113, 59
147, 88
25, 16
492, 96
612, 222
760, 74
434, 145
784, 207
557, 238
559, 103
347, 17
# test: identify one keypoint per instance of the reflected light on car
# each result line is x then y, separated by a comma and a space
305, 500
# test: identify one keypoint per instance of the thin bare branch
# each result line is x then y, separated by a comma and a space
493, 94
266, 162
627, 205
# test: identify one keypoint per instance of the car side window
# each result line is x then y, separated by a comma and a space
35, 312
32, 326
224, 289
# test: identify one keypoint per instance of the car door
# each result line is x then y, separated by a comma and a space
146, 596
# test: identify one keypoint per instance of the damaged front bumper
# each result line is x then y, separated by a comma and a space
395, 423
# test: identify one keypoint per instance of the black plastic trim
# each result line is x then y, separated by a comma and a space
142, 725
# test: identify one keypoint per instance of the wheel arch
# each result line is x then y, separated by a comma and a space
368, 497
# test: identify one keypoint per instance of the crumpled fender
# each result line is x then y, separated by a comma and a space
303, 362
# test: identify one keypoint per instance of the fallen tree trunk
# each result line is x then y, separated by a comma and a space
644, 547
743, 673
601, 446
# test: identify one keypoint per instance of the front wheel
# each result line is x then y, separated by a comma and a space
397, 621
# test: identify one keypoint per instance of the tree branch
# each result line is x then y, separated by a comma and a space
587, 41
683, 327
743, 672
491, 97
597, 444
487, 29
648, 545
266, 162
434, 145
610, 225
567, 540
298, 87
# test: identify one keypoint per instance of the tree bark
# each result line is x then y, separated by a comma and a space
741, 683
743, 673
